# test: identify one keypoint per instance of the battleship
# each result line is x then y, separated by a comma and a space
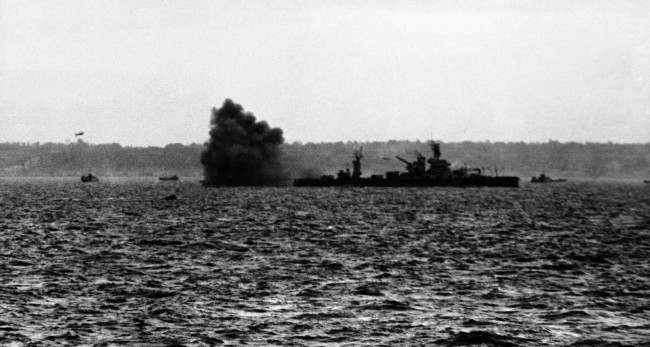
438, 174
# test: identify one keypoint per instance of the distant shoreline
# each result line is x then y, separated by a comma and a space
559, 160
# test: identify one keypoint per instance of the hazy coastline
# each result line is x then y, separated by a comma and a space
602, 161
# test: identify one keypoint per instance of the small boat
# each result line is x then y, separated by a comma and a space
168, 178
542, 178
89, 178
646, 181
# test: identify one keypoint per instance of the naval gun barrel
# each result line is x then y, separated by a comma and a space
403, 160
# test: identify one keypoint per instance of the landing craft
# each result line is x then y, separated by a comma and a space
168, 178
542, 178
439, 174
89, 178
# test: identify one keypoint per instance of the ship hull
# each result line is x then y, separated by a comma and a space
477, 181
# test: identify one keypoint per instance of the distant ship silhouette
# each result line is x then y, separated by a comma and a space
439, 173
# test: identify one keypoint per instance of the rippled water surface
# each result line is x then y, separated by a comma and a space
113, 264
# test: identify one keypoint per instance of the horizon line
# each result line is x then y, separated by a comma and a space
332, 142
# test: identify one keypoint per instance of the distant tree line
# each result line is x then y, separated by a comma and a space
56, 159
587, 160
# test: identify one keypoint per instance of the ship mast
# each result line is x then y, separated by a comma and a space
356, 164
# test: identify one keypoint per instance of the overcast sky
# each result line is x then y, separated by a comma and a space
148, 72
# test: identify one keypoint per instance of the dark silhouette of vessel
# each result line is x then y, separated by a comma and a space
89, 178
168, 178
438, 174
542, 178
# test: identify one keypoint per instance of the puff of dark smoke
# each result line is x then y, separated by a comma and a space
241, 151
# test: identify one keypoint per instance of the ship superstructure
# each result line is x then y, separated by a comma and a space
438, 173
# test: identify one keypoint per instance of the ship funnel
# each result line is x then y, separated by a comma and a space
435, 148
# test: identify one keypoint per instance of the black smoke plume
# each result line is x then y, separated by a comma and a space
241, 151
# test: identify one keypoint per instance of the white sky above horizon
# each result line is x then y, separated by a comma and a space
148, 72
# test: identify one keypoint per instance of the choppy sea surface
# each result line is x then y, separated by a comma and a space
113, 264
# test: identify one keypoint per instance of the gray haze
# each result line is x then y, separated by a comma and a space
148, 72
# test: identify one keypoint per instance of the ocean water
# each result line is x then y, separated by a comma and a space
115, 263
